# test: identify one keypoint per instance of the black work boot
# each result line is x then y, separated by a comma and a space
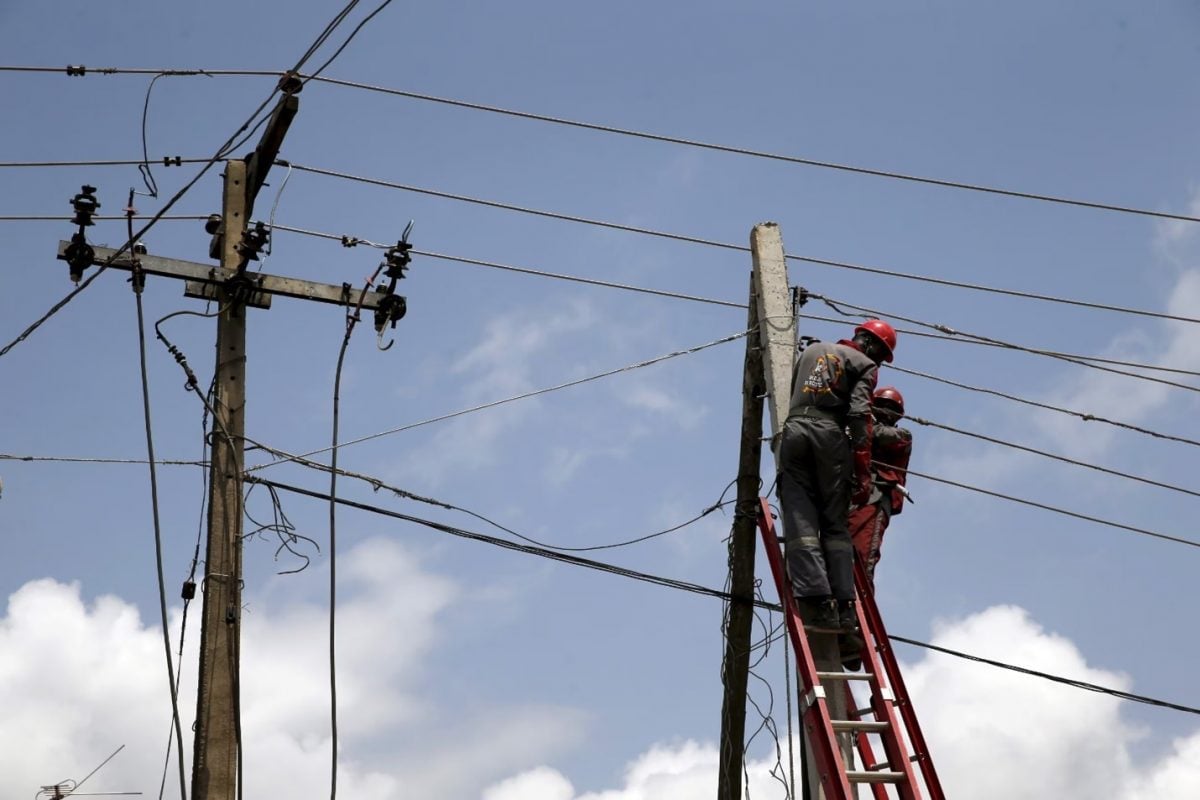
850, 646
847, 616
818, 613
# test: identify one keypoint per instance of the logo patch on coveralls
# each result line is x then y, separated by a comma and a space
826, 374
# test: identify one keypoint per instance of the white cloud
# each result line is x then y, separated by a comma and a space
993, 734
77, 680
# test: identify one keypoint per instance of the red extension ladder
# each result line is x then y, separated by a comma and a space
889, 715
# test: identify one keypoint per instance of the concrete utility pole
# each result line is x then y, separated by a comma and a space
216, 748
770, 297
736, 666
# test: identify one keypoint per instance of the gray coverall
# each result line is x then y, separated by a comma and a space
820, 467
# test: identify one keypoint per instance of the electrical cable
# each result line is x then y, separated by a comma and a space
97, 218
352, 319
232, 143
167, 160
1086, 417
738, 248
510, 268
659, 580
144, 167
736, 150
378, 484
946, 329
82, 460
137, 280
348, 39
953, 340
1045, 507
1091, 687
744, 151
1054, 456
522, 396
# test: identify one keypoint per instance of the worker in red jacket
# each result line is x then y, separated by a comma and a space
821, 471
891, 447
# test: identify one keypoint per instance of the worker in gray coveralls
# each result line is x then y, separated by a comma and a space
822, 470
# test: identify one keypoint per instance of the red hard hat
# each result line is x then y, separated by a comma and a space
890, 395
883, 332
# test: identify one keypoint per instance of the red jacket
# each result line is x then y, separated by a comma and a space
891, 447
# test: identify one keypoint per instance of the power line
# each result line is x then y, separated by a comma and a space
1054, 456
733, 149
1098, 359
524, 395
1091, 687
98, 218
744, 151
522, 270
673, 583
834, 304
1086, 417
354, 241
378, 484
1056, 509
87, 460
740, 248
166, 161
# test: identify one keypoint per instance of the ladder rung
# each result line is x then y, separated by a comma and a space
844, 676
875, 777
858, 725
886, 765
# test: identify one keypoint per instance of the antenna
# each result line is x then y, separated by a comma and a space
68, 787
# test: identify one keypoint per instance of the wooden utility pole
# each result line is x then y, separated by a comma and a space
740, 615
215, 754
235, 289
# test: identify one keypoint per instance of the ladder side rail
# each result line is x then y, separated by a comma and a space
866, 753
814, 709
869, 612
883, 705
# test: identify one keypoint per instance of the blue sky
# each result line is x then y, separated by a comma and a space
471, 672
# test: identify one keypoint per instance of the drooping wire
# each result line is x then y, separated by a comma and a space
523, 396
657, 580
138, 282
271, 222
189, 584
283, 528
352, 319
